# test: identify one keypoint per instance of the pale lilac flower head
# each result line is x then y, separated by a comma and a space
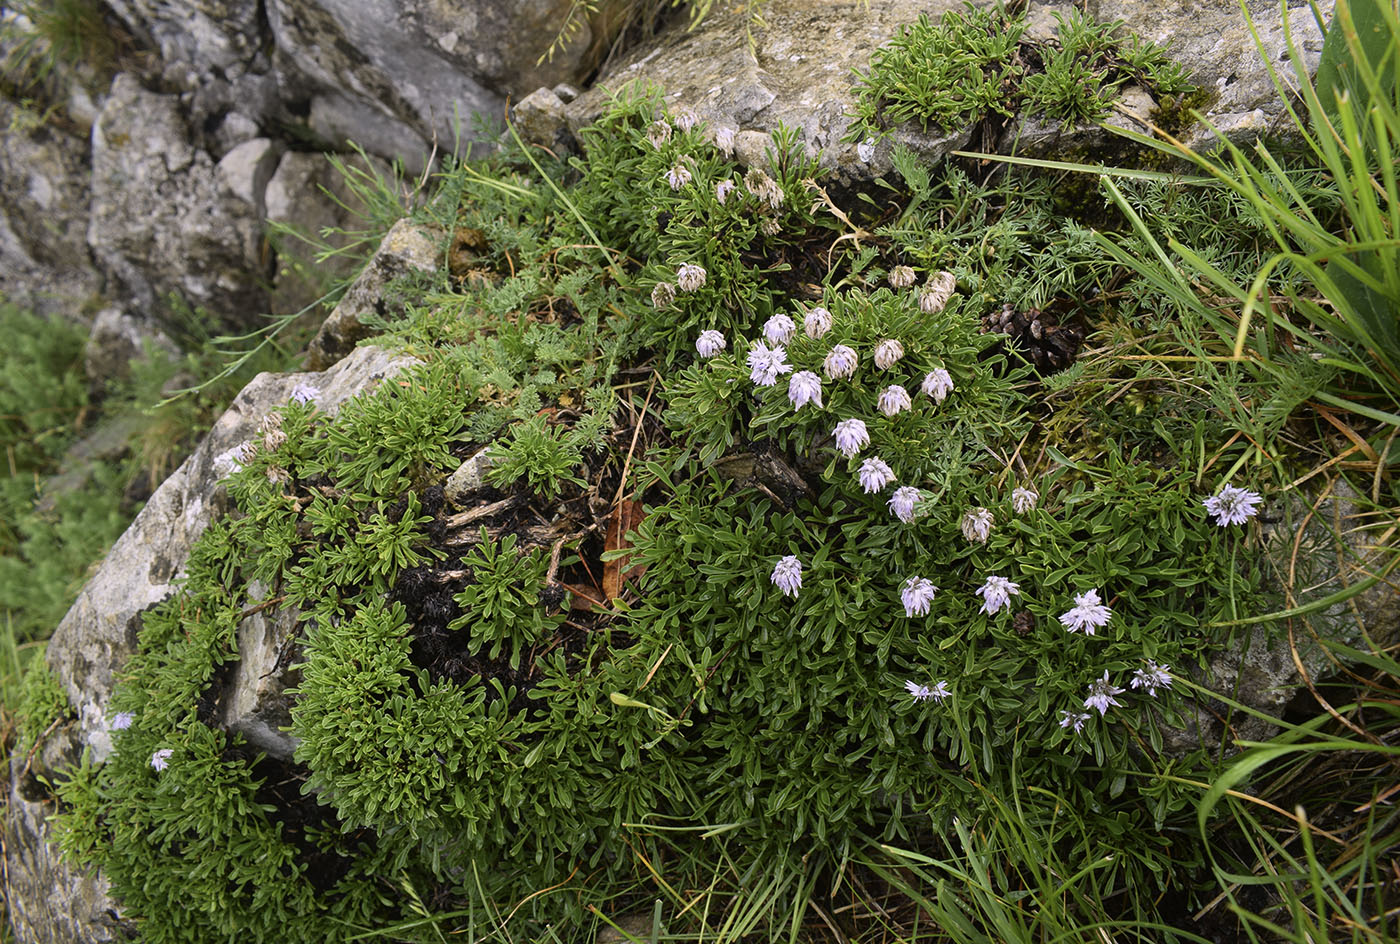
875, 475
690, 277
161, 758
231, 460
779, 329
938, 691
977, 525
917, 596
840, 362
936, 293
1089, 614
901, 277
1073, 719
659, 132
685, 119
804, 387
1233, 505
305, 393
723, 189
903, 502
767, 364
121, 721
1101, 694
678, 176
724, 142
938, 383
996, 594
663, 295
1153, 677
1023, 499
816, 322
787, 575
894, 399
710, 343
851, 436
887, 353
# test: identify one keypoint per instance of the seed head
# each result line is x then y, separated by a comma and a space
1023, 500
685, 119
936, 293
663, 295
724, 142
901, 276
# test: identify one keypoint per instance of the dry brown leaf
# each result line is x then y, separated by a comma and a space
627, 516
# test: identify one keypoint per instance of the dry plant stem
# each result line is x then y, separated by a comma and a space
482, 511
38, 742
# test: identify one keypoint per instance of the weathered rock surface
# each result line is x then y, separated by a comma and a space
117, 338
407, 248
50, 900
799, 71
162, 220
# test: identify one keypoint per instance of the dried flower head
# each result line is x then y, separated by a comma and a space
996, 594
779, 329
764, 188
904, 501
805, 387
938, 691
875, 474
678, 176
1233, 505
710, 343
769, 226
787, 575
723, 189
901, 276
724, 142
659, 132
894, 399
1153, 677
690, 277
938, 383
816, 322
851, 436
161, 758
1023, 499
977, 525
887, 353
663, 295
767, 364
917, 596
1101, 694
305, 393
840, 362
685, 119
1074, 719
937, 291
1089, 614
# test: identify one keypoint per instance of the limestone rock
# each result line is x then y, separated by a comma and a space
541, 120
406, 248
253, 704
161, 219
117, 339
246, 169
469, 478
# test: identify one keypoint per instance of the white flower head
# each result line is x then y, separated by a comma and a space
1074, 719
851, 436
840, 362
1089, 614
1023, 499
894, 399
937, 291
901, 276
917, 596
996, 594
161, 758
710, 343
938, 691
724, 142
231, 460
1101, 694
1233, 505
659, 132
887, 353
875, 474
305, 393
690, 277
1153, 677
804, 387
767, 364
779, 329
904, 501
685, 119
678, 176
121, 721
787, 575
816, 322
663, 295
977, 525
938, 383
723, 189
